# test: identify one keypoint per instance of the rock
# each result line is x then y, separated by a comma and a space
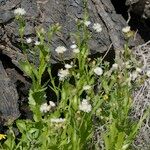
1, 33
48, 12
130, 2
140, 7
8, 98
5, 16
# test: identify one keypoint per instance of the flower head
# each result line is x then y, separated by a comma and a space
86, 87
19, 11
133, 76
68, 66
148, 73
60, 49
87, 23
52, 104
37, 43
126, 29
98, 71
73, 46
2, 136
97, 27
139, 70
76, 50
44, 108
127, 65
63, 73
115, 66
85, 106
28, 40
58, 120
105, 97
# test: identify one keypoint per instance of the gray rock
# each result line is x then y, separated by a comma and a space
5, 16
8, 98
1, 32
130, 2
48, 12
140, 7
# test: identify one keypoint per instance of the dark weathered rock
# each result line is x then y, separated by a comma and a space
48, 12
5, 16
8, 98
140, 7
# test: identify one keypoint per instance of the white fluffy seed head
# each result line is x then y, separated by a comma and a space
86, 87
127, 65
52, 104
37, 43
148, 73
76, 50
115, 66
60, 49
44, 108
19, 11
57, 120
85, 106
68, 66
98, 71
87, 23
139, 70
73, 46
97, 27
28, 40
133, 76
126, 29
62, 74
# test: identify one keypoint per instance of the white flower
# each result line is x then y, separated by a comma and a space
19, 11
126, 29
127, 64
139, 70
63, 73
133, 75
45, 108
97, 27
73, 46
87, 23
115, 66
60, 49
76, 50
86, 87
58, 120
42, 30
148, 73
68, 66
85, 106
52, 104
37, 43
28, 40
98, 71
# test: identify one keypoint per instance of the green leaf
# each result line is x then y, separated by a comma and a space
34, 132
31, 98
21, 125
27, 68
42, 69
9, 144
120, 140
105, 86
